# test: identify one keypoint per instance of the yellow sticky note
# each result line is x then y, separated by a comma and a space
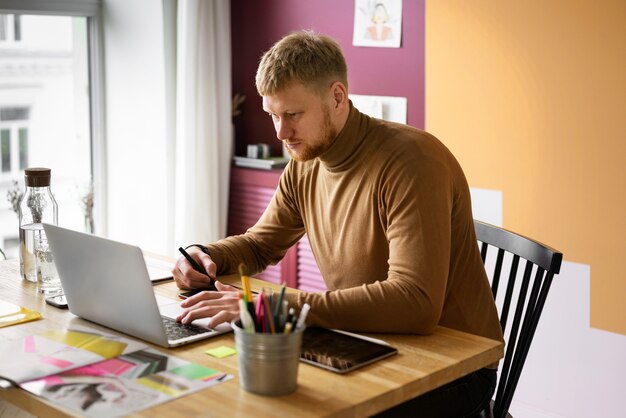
11, 314
221, 352
93, 342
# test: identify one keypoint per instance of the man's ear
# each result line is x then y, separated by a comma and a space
340, 95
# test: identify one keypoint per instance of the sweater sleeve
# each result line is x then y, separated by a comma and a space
265, 243
415, 205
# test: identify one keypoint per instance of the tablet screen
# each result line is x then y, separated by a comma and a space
339, 352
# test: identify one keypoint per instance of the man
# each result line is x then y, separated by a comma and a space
386, 209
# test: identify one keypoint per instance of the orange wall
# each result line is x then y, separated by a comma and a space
531, 98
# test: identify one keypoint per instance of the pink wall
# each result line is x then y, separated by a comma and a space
257, 24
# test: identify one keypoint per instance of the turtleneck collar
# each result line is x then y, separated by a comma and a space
347, 142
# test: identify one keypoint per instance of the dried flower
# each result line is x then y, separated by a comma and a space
86, 204
238, 100
14, 196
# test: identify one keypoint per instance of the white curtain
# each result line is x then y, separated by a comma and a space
200, 151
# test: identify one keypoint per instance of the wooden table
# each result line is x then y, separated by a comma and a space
423, 363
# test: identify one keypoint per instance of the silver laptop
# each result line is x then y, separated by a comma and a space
107, 282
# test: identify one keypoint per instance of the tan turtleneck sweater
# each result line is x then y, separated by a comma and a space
388, 215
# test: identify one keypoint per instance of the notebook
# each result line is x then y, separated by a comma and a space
107, 282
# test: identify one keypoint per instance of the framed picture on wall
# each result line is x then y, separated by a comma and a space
377, 23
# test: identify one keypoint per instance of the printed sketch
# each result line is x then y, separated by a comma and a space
125, 384
377, 23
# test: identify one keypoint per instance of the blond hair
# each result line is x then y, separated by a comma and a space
313, 59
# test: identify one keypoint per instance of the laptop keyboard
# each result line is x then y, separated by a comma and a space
175, 330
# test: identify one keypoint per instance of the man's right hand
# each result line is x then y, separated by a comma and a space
186, 277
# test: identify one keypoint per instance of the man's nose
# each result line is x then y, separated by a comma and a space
283, 130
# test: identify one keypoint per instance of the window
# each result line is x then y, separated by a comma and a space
51, 106
13, 141
5, 143
10, 28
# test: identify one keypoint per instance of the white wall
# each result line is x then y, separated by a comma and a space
135, 112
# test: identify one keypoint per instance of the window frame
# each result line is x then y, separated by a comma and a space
92, 10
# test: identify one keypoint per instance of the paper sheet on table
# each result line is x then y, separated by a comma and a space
158, 270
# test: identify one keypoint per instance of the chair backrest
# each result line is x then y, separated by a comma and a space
524, 306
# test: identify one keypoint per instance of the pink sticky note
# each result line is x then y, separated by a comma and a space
29, 344
60, 363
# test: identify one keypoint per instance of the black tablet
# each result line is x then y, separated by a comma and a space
340, 352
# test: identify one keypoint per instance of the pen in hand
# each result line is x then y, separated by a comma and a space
197, 267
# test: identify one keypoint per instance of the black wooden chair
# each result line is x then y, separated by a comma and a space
525, 308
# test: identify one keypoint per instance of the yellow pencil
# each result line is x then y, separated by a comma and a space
245, 283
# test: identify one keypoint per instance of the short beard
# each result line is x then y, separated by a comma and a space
328, 137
